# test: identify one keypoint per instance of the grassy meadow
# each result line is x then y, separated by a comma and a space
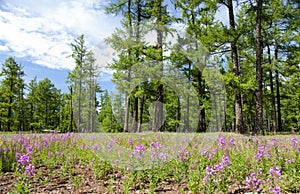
149, 163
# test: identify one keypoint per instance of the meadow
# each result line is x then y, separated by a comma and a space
149, 163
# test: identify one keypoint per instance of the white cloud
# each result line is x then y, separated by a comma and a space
41, 31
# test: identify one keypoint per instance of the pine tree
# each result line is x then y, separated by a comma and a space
12, 95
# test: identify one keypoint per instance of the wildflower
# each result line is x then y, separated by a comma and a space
120, 152
276, 190
249, 181
23, 160
231, 141
287, 161
221, 141
130, 142
275, 142
183, 154
29, 170
50, 154
275, 172
254, 183
155, 145
226, 160
46, 143
139, 148
57, 153
96, 147
162, 157
209, 172
294, 141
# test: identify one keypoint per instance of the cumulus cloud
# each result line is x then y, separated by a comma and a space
41, 31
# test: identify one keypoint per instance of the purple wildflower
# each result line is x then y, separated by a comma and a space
139, 148
23, 160
254, 183
96, 147
275, 190
162, 157
130, 142
50, 154
275, 172
231, 141
275, 142
209, 172
221, 141
294, 141
155, 145
29, 170
226, 160
183, 154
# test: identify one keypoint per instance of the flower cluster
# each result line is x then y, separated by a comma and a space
138, 152
183, 154
24, 162
255, 183
275, 172
216, 169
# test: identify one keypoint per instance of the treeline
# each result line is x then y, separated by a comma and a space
257, 53
39, 105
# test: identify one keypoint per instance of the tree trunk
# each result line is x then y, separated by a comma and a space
127, 97
127, 105
274, 118
187, 117
239, 121
135, 115
201, 123
259, 99
178, 116
158, 108
277, 90
71, 110
139, 129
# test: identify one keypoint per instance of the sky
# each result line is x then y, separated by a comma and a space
38, 33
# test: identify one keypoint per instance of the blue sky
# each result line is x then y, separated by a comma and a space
38, 33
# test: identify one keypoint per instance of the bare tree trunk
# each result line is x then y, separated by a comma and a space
277, 90
158, 108
71, 110
139, 129
127, 105
259, 99
274, 118
127, 98
201, 123
178, 116
239, 121
135, 115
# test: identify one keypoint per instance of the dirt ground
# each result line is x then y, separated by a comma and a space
87, 182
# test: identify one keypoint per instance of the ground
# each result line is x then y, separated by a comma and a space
112, 182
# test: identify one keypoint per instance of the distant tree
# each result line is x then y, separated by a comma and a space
108, 122
47, 105
83, 81
12, 95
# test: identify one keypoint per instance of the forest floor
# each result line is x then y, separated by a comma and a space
112, 182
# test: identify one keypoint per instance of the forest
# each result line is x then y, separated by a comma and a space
255, 54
